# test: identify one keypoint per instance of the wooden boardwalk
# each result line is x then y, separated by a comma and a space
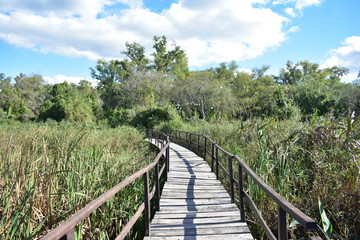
194, 205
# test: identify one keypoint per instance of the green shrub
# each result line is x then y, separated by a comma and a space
151, 117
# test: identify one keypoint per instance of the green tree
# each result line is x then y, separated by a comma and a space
226, 72
109, 72
298, 73
137, 91
9, 98
32, 92
202, 94
130, 82
173, 62
136, 53
70, 102
22, 99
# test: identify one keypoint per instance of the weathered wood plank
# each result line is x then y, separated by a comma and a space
196, 220
205, 237
168, 215
201, 231
195, 201
169, 227
204, 208
192, 195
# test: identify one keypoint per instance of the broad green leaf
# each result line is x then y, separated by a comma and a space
327, 226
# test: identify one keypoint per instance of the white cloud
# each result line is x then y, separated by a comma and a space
210, 31
61, 78
346, 56
294, 29
63, 8
290, 12
299, 4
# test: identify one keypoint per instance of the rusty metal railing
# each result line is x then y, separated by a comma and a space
206, 147
66, 230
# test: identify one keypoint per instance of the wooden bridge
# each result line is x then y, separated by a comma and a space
193, 204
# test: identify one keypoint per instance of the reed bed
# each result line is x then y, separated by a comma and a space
49, 171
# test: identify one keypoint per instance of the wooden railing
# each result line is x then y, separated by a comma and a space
208, 148
66, 230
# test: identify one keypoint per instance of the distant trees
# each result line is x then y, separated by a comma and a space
144, 85
22, 99
72, 102
133, 82
314, 89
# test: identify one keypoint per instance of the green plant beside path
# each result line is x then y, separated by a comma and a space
50, 171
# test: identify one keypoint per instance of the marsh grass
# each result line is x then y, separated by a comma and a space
49, 171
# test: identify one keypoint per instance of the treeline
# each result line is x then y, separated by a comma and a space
139, 90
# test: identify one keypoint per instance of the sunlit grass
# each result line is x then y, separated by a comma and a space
50, 171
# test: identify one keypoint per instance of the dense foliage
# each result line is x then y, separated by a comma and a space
138, 83
301, 125
50, 171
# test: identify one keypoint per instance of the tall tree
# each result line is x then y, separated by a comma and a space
203, 95
298, 73
226, 72
136, 53
173, 62
109, 72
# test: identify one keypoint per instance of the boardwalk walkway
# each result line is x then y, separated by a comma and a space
194, 205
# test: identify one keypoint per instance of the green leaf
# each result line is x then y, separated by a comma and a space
327, 226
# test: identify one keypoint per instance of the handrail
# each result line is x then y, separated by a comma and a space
284, 207
66, 230
299, 216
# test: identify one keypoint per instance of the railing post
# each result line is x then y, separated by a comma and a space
157, 139
212, 156
282, 225
189, 144
205, 149
69, 236
198, 144
147, 204
241, 193
231, 178
167, 156
157, 187
217, 162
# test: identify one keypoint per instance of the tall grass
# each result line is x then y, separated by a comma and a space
49, 171
305, 162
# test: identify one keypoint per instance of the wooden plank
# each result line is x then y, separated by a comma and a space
205, 237
195, 187
192, 195
196, 220
212, 190
204, 208
168, 215
169, 227
201, 231
190, 202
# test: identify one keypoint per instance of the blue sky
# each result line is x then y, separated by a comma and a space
61, 40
